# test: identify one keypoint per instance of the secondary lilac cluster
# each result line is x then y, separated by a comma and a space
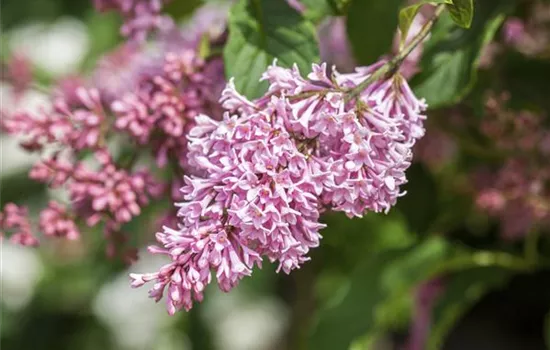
108, 192
76, 124
18, 73
56, 222
108, 141
272, 166
517, 192
530, 35
527, 35
15, 220
167, 104
140, 16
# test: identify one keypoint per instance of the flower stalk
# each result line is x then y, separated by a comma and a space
391, 66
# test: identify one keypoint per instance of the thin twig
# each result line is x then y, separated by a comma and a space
391, 66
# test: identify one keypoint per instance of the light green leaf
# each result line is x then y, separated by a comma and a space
261, 30
462, 12
451, 55
407, 15
317, 10
371, 28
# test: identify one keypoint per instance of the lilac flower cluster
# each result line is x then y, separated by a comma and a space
140, 16
530, 35
167, 103
76, 125
18, 72
100, 139
517, 193
272, 166
15, 220
56, 222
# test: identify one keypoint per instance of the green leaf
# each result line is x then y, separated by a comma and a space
451, 55
407, 15
204, 47
103, 32
371, 28
419, 212
181, 9
462, 291
378, 292
317, 10
462, 12
261, 30
340, 324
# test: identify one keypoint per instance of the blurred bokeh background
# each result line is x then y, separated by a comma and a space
367, 282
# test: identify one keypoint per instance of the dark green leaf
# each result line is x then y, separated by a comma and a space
17, 187
451, 57
181, 9
371, 27
462, 291
261, 30
377, 293
419, 211
339, 325
462, 12
547, 331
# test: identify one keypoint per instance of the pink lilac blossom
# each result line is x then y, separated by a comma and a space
109, 193
121, 71
18, 72
513, 30
137, 101
140, 16
530, 35
55, 222
14, 220
517, 192
73, 125
168, 102
272, 166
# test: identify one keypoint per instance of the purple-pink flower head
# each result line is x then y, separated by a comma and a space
15, 220
18, 72
56, 222
272, 166
167, 103
75, 122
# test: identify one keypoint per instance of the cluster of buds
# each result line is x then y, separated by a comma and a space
272, 166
